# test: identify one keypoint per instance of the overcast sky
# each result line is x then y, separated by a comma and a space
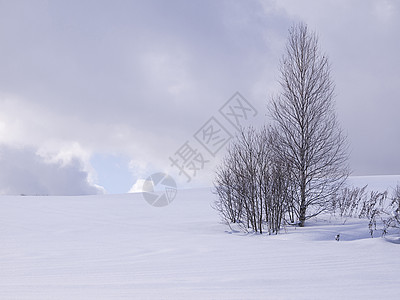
95, 95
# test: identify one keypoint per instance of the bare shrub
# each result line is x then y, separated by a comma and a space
382, 211
252, 184
394, 220
347, 200
390, 215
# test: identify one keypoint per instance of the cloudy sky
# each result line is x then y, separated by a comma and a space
96, 95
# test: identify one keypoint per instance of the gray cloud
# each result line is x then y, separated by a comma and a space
360, 39
138, 78
25, 172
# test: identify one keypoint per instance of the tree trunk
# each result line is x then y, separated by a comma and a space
302, 217
303, 206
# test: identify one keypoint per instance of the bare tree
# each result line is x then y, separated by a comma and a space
309, 137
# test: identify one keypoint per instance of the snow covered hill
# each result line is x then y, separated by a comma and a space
120, 247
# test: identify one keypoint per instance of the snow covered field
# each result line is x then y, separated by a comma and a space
120, 247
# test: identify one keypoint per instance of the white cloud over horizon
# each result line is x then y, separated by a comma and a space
137, 79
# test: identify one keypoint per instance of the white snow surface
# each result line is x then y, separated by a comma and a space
120, 247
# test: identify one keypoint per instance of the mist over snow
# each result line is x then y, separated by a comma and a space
100, 82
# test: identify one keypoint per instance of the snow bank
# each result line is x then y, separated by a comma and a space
119, 247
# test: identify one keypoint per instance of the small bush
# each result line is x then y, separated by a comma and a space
374, 206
